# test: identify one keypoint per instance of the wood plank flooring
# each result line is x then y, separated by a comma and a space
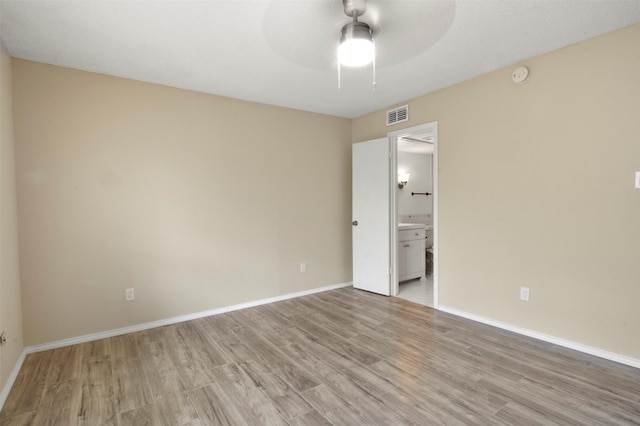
342, 357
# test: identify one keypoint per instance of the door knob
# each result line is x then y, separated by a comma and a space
354, 223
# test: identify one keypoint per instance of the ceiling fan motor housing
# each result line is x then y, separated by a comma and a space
354, 8
356, 30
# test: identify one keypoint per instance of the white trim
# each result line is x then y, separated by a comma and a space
174, 320
12, 378
393, 215
611, 356
436, 216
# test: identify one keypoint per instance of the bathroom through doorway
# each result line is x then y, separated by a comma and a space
416, 214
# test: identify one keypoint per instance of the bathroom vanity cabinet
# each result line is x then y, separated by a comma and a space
411, 254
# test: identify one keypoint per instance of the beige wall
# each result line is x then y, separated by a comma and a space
10, 305
536, 190
196, 201
200, 202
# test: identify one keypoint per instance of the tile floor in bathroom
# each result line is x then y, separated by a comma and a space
417, 291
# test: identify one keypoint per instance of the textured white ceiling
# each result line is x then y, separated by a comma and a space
283, 52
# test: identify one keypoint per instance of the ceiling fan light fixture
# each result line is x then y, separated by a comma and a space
356, 45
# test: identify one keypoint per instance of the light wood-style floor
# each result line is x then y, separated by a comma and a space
343, 357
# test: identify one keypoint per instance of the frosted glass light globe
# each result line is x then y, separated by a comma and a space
355, 52
356, 45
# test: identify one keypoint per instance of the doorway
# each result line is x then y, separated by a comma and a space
414, 215
375, 212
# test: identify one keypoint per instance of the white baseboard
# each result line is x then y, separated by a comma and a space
174, 320
12, 378
612, 356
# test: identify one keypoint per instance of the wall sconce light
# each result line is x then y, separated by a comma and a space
403, 179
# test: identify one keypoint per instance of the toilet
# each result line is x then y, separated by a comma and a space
428, 236
428, 245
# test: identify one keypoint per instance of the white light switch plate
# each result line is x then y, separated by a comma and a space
637, 179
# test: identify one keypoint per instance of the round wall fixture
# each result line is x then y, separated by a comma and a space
519, 75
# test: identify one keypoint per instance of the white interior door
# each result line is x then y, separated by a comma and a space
371, 222
1, 329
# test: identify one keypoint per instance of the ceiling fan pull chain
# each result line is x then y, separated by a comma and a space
373, 40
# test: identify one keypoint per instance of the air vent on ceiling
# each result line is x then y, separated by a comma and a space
398, 115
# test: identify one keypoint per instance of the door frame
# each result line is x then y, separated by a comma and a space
393, 144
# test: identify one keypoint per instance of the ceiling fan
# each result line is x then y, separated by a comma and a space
399, 29
357, 46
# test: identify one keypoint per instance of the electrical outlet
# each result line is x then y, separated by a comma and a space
303, 267
129, 295
524, 293
637, 180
